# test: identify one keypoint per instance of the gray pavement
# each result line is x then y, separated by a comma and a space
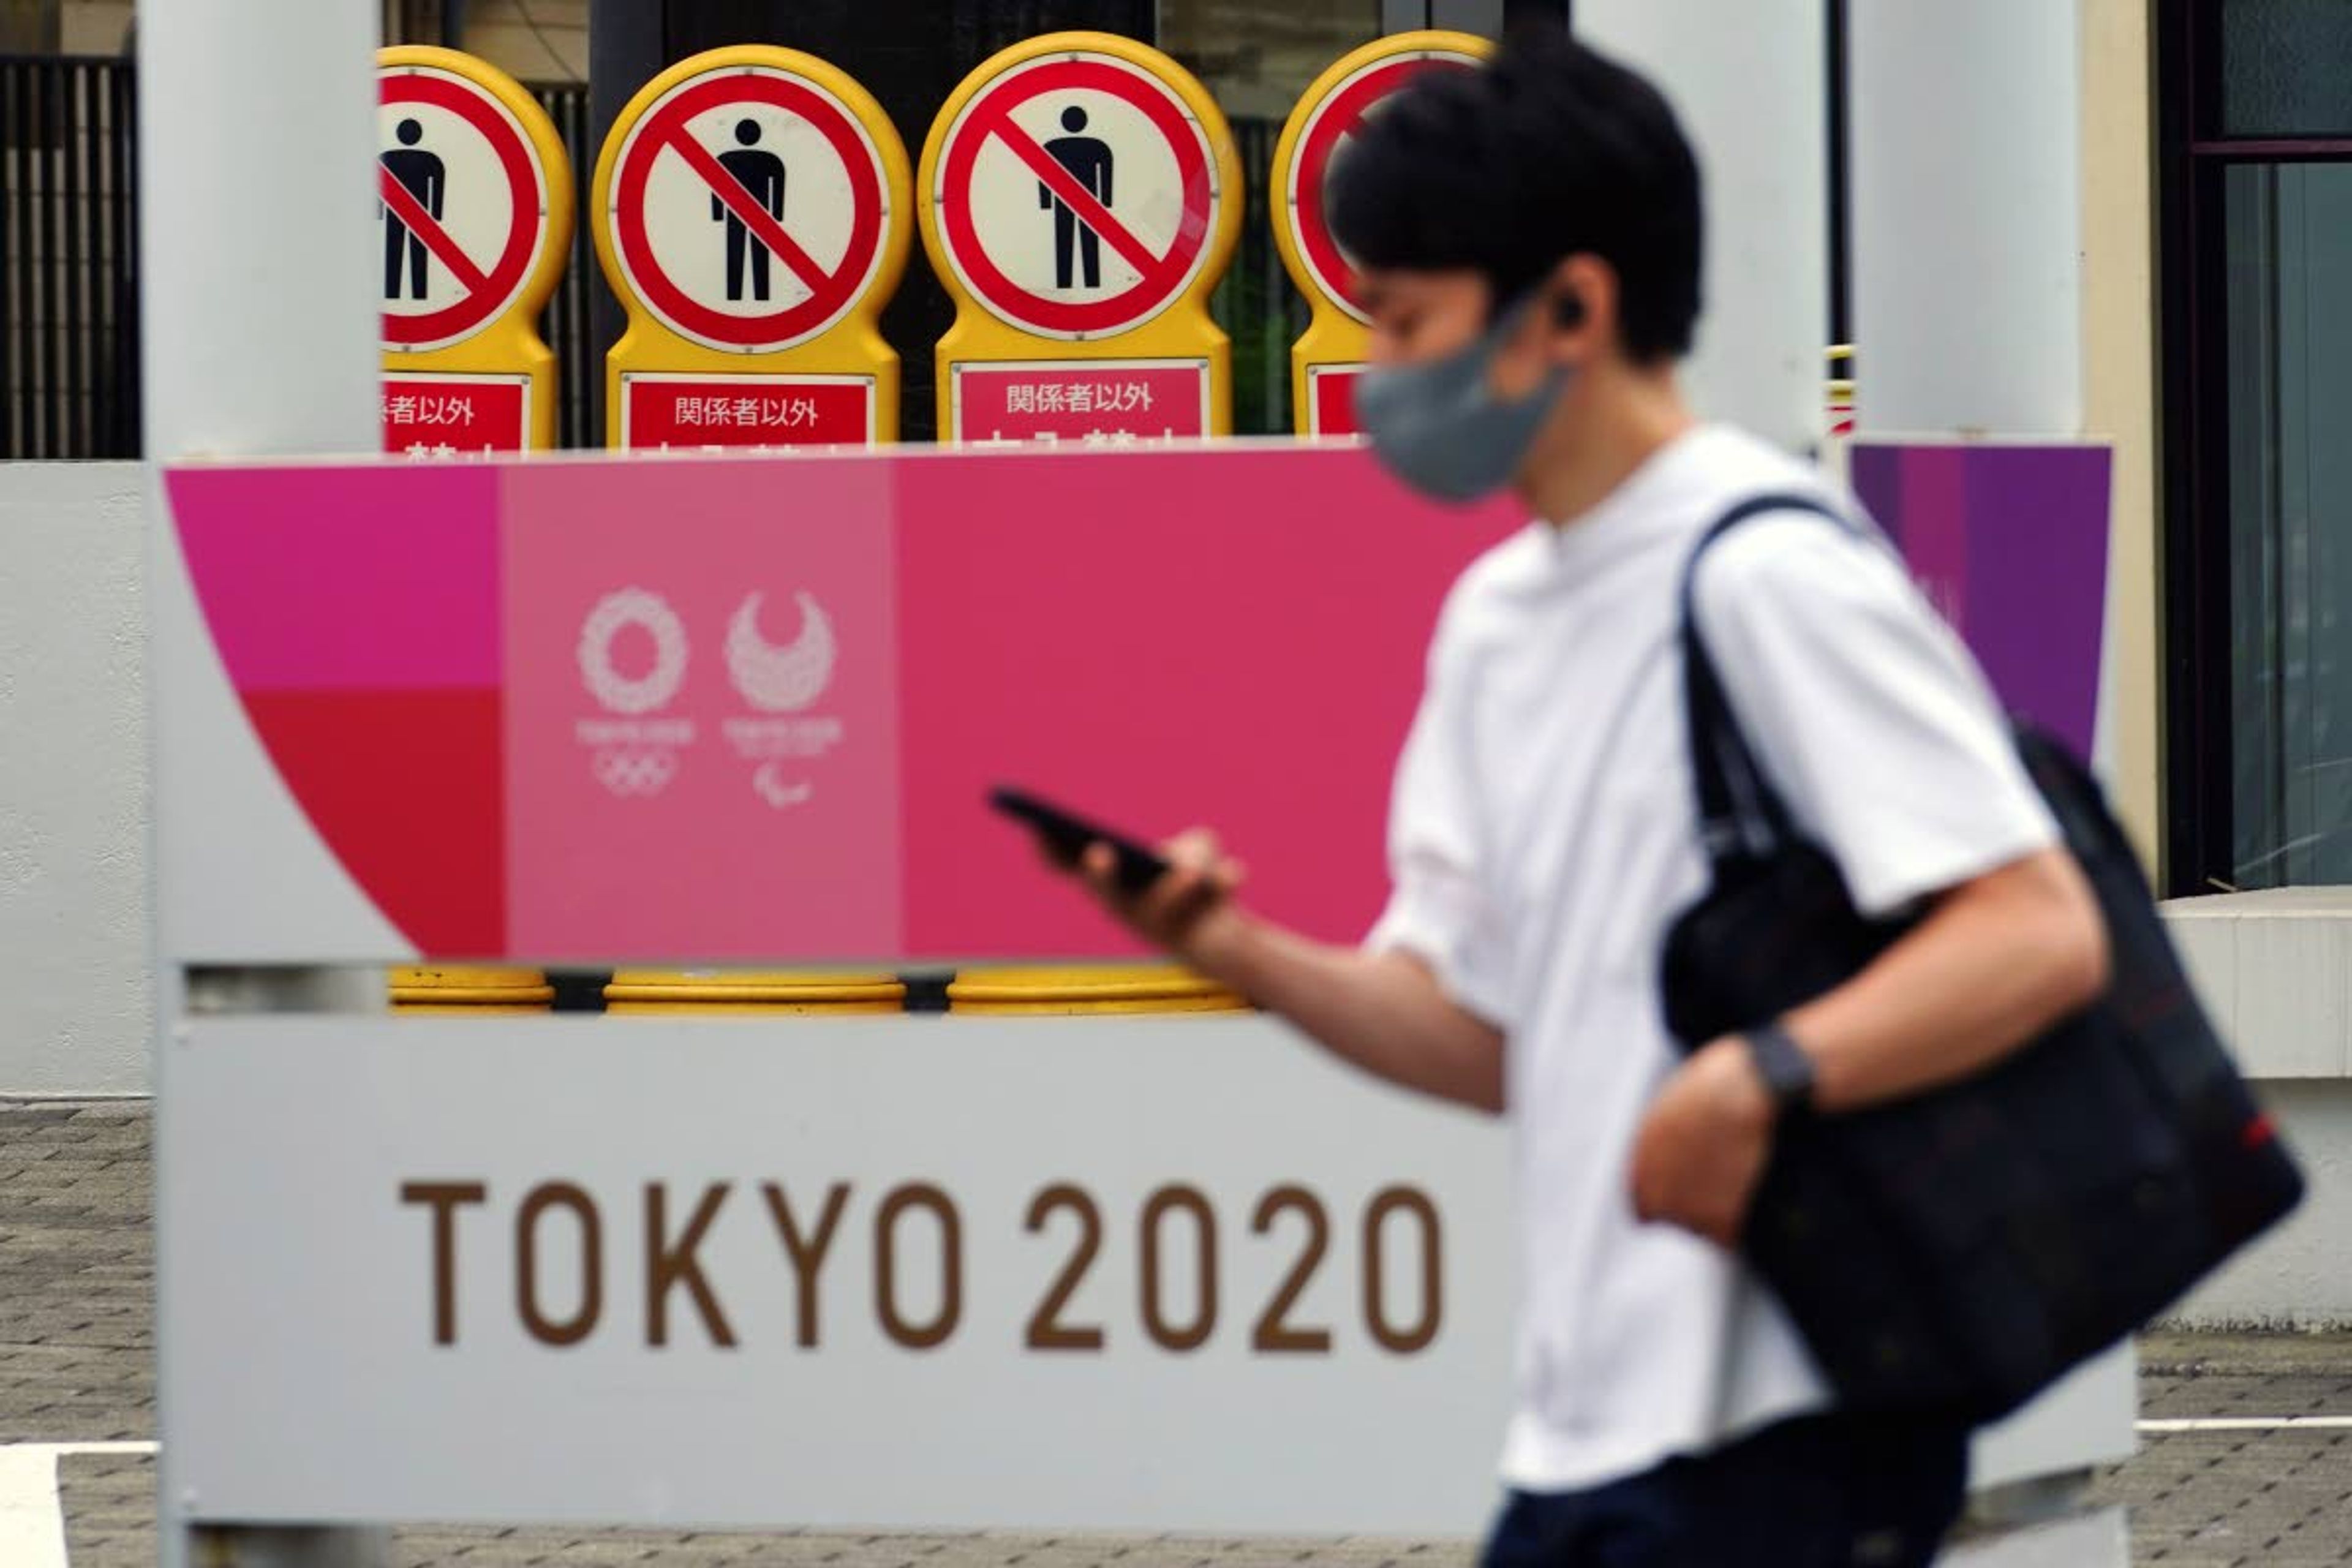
77, 1337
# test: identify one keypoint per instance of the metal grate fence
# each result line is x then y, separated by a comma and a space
569, 323
68, 258
1257, 304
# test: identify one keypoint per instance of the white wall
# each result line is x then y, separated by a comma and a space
2299, 1275
76, 999
2274, 970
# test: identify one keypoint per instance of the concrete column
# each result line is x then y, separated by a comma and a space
261, 260
1965, 157
1749, 83
258, 149
1966, 218
257, 222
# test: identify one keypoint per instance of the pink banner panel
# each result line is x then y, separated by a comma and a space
1231, 637
750, 708
702, 743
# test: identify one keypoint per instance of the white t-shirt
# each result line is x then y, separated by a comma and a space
1544, 837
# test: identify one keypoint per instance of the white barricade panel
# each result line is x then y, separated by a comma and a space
1139, 1274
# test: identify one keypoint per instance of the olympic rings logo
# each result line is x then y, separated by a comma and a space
634, 773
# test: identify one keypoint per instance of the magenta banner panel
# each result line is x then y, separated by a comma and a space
1163, 639
2010, 542
750, 708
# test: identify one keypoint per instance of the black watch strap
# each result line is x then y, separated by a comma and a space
1787, 1070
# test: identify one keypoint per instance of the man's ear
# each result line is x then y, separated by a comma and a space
1583, 315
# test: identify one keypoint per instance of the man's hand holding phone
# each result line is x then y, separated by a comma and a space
1179, 897
1383, 1011
1186, 907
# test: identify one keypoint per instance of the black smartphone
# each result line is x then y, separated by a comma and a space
1065, 836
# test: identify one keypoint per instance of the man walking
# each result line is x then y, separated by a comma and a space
1529, 239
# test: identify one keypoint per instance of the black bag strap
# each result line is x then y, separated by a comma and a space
1740, 815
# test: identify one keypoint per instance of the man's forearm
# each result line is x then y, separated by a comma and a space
1997, 963
1383, 1012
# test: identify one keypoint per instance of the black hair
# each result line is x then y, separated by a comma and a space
1548, 151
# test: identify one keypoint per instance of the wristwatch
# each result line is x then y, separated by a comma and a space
1786, 1069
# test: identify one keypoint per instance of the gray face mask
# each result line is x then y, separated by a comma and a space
1440, 429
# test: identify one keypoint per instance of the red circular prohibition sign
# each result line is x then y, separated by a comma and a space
489, 291
664, 128
991, 114
1341, 113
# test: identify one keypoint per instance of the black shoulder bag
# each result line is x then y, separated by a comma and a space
1958, 1250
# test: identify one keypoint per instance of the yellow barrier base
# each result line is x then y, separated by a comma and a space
446, 989
696, 992
1098, 989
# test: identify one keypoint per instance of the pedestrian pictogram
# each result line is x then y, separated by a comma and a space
474, 196
1081, 197
1314, 138
1087, 160
427, 179
1077, 195
754, 210
762, 174
465, 200
748, 208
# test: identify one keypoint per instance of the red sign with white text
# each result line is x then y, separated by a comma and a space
1093, 402
455, 416
746, 411
1331, 392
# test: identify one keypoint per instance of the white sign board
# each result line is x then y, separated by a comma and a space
1133, 1274
1170, 1274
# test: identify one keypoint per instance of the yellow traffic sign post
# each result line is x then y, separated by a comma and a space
1329, 354
474, 203
752, 213
1081, 197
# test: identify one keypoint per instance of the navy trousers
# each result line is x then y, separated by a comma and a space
1835, 1490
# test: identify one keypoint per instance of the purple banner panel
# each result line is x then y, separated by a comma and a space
2010, 545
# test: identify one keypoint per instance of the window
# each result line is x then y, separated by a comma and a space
2257, 140
2282, 67
2287, 382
